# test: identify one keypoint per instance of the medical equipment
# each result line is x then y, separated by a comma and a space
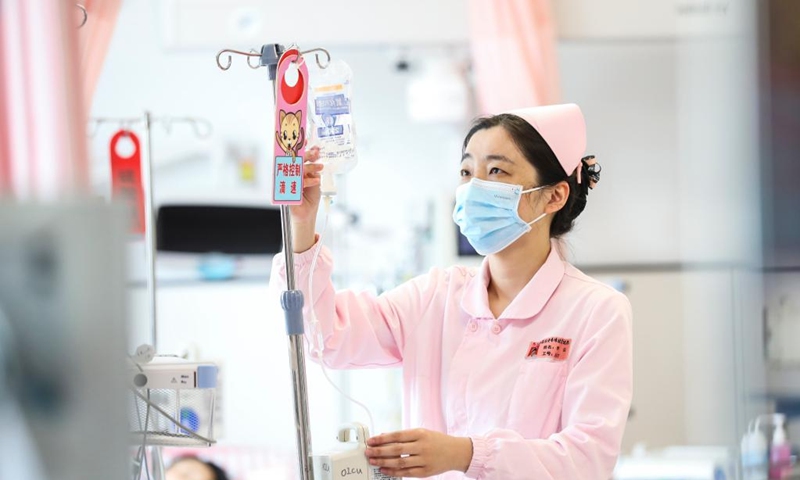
331, 123
202, 129
279, 60
292, 299
172, 402
347, 461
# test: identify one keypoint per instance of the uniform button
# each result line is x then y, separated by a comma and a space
496, 329
473, 327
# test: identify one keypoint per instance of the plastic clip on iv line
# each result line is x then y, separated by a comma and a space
328, 185
292, 303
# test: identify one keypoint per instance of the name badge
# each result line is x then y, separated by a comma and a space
553, 348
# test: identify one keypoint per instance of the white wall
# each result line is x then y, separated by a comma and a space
193, 24
654, 19
628, 94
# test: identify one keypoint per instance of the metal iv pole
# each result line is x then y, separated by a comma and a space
292, 298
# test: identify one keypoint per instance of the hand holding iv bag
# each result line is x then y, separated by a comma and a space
330, 122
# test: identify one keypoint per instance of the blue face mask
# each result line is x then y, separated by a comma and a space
486, 212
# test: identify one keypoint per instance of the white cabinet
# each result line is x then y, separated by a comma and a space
698, 369
659, 374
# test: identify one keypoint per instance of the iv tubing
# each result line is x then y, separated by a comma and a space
317, 340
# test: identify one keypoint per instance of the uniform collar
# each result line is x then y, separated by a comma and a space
530, 300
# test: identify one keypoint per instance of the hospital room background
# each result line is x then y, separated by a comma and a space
692, 107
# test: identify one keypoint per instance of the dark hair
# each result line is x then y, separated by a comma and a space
536, 150
219, 473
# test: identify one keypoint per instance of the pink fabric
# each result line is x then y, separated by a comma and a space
468, 374
5, 138
513, 53
564, 130
95, 38
43, 122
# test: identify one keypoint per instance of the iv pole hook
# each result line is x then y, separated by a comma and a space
327, 56
237, 52
85, 14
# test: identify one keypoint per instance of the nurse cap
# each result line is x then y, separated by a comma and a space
564, 130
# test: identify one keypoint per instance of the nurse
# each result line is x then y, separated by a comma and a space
518, 369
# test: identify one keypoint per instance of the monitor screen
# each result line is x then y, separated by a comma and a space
235, 230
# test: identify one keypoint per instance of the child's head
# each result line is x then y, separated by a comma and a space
192, 468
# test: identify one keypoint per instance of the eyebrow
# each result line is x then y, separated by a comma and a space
501, 158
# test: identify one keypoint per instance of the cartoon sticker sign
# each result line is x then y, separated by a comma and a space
291, 91
126, 178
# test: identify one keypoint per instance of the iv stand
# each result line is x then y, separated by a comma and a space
150, 249
292, 303
150, 227
149, 214
150, 255
150, 242
291, 299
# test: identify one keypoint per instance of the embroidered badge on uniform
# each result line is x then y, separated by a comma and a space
554, 348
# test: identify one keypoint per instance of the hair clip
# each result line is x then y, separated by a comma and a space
593, 170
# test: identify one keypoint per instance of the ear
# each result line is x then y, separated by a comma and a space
300, 117
559, 193
282, 116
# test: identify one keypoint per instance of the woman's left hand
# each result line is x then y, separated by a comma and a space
419, 453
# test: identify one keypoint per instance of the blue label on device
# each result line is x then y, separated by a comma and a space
333, 131
332, 105
288, 179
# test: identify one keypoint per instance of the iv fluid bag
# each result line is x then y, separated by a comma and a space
330, 121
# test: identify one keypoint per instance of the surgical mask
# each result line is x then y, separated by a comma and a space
486, 212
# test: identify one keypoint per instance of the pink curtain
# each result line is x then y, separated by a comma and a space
44, 123
95, 38
513, 45
5, 147
44, 96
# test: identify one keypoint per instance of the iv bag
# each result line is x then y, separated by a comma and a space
330, 120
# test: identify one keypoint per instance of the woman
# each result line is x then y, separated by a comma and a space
519, 369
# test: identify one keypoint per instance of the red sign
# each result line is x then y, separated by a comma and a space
126, 178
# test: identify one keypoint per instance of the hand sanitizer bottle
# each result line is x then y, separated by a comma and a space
754, 454
780, 458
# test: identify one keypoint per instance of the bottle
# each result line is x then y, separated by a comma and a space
780, 458
755, 464
330, 121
